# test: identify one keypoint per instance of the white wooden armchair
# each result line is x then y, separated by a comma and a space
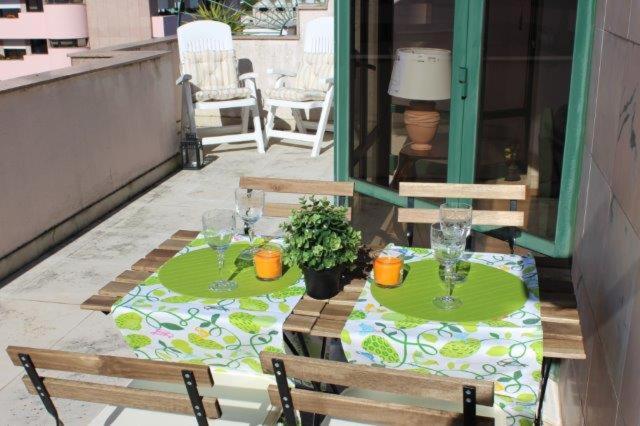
210, 81
311, 88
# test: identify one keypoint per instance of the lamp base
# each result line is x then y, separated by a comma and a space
421, 122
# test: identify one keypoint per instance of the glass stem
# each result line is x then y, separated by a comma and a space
448, 272
220, 261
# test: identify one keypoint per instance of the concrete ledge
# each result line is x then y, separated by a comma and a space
75, 224
112, 60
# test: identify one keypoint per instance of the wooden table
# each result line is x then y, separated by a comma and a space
562, 335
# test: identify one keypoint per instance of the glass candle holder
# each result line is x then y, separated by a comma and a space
268, 263
388, 269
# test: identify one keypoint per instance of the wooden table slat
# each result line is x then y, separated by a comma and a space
559, 314
147, 265
299, 323
185, 235
116, 289
309, 307
133, 277
551, 330
336, 312
355, 286
563, 348
172, 244
161, 254
99, 303
328, 328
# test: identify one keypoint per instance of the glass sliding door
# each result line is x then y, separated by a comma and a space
512, 112
404, 48
527, 63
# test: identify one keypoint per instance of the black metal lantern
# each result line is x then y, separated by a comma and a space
192, 155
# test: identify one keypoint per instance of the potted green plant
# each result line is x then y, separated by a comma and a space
320, 241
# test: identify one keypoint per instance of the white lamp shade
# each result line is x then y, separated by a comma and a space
421, 74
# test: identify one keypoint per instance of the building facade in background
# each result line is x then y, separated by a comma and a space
37, 35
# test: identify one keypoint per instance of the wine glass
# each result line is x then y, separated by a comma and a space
249, 205
455, 217
218, 231
448, 245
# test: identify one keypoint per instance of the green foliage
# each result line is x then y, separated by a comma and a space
219, 12
318, 236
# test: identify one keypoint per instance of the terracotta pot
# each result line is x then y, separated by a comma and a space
421, 126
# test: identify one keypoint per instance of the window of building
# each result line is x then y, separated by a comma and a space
14, 53
9, 13
70, 42
39, 47
34, 5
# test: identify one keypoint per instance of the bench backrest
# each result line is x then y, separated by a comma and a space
190, 375
295, 186
373, 379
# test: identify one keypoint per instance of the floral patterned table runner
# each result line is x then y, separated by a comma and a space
225, 333
506, 350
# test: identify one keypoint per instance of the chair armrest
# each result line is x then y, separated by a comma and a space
247, 75
183, 79
282, 72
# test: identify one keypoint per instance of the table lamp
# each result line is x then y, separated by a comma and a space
422, 76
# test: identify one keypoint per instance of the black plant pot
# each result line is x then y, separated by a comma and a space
323, 284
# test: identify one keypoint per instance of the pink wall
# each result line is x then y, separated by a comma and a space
33, 64
58, 21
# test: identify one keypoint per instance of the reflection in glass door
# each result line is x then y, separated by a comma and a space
527, 62
400, 90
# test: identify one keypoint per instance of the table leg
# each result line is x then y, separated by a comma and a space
303, 344
546, 370
289, 344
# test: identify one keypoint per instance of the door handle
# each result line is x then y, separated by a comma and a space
462, 79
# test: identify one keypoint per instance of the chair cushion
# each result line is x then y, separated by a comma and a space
294, 94
214, 75
222, 94
314, 67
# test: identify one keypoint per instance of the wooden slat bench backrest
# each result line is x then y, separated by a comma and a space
115, 366
459, 190
295, 186
375, 379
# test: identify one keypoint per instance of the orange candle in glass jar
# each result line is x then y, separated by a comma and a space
268, 264
387, 269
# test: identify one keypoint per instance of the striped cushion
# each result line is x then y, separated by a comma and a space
222, 94
293, 94
314, 67
214, 75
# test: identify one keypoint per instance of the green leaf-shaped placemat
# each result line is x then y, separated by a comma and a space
488, 293
192, 273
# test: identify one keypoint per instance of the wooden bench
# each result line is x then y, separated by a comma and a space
357, 405
46, 388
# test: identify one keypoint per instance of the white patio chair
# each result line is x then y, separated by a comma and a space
210, 80
312, 87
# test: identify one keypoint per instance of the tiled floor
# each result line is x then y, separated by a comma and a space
40, 307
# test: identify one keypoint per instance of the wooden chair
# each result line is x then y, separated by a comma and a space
166, 387
295, 186
361, 407
509, 220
